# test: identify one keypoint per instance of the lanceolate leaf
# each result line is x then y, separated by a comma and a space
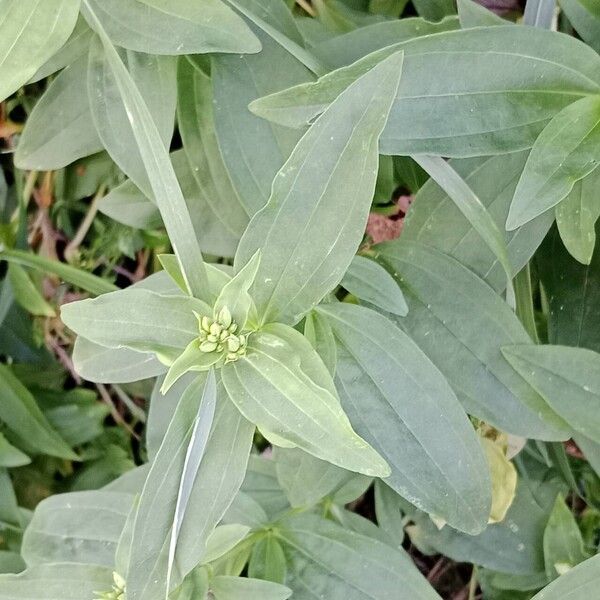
63, 580
568, 379
174, 26
434, 219
60, 128
137, 319
197, 129
369, 281
156, 161
574, 300
219, 477
306, 244
80, 527
539, 13
24, 418
576, 217
473, 210
580, 583
31, 31
457, 110
237, 81
584, 15
102, 364
400, 403
282, 386
449, 308
342, 564
193, 458
155, 78
241, 588
565, 152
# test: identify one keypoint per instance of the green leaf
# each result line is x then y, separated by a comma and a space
480, 114
241, 588
281, 385
305, 249
191, 359
563, 544
53, 581
565, 152
402, 405
567, 378
155, 157
193, 458
197, 128
341, 564
113, 365
539, 13
155, 78
576, 217
78, 277
267, 560
449, 308
23, 417
512, 546
81, 527
345, 49
474, 211
318, 332
235, 297
578, 294
11, 456
173, 26
389, 514
218, 479
434, 219
74, 48
584, 15
60, 129
237, 82
306, 479
223, 539
472, 14
434, 10
30, 33
27, 294
369, 281
137, 319
581, 583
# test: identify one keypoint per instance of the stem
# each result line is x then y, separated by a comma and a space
85, 225
473, 584
524, 300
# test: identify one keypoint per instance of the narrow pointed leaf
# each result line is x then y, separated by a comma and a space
449, 308
165, 325
299, 262
282, 385
156, 161
174, 26
401, 404
369, 281
458, 110
568, 378
193, 458
217, 481
22, 416
581, 583
31, 31
241, 588
565, 152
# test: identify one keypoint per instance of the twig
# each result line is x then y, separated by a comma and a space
114, 412
85, 225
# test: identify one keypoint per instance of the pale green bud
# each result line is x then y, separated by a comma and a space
225, 318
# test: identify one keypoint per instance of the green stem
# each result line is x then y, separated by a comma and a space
524, 301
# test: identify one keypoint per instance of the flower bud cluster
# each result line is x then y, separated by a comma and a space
220, 335
117, 592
